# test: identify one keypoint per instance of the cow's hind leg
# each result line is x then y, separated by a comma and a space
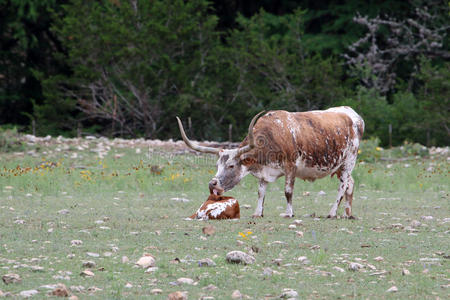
261, 195
288, 191
349, 198
344, 178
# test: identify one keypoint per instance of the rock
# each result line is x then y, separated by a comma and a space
76, 242
151, 270
338, 269
128, 285
292, 226
406, 272
298, 222
125, 259
156, 291
29, 293
353, 266
37, 269
378, 258
415, 224
93, 289
208, 230
236, 295
73, 297
299, 233
210, 287
392, 289
397, 225
177, 296
60, 291
184, 280
289, 293
89, 264
77, 288
239, 257
146, 261
321, 193
206, 263
427, 218
87, 273
92, 254
267, 272
11, 278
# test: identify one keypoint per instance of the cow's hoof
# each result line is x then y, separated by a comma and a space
331, 217
352, 218
257, 216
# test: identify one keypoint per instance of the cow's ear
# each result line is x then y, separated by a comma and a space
248, 161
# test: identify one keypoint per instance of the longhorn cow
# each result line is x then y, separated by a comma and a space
307, 145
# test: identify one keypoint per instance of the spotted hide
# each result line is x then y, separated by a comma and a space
218, 207
306, 145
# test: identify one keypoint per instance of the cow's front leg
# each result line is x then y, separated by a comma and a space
261, 195
288, 191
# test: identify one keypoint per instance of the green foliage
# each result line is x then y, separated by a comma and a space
370, 150
9, 140
410, 149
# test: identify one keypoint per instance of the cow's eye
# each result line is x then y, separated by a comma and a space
230, 166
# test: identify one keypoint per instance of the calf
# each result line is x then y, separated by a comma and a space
218, 207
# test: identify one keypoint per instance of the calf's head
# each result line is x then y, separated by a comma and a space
230, 167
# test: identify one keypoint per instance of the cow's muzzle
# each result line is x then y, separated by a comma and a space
215, 188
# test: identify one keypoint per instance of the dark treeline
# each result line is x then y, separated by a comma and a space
128, 67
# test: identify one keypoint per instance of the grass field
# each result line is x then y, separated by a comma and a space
59, 209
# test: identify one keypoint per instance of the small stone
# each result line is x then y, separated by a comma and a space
415, 224
239, 257
378, 258
37, 269
292, 226
87, 273
184, 280
208, 230
267, 272
156, 291
321, 193
289, 293
206, 263
298, 222
406, 272
306, 193
73, 297
128, 285
427, 218
353, 266
63, 212
177, 296
11, 278
29, 293
92, 254
77, 288
338, 269
125, 259
89, 264
392, 289
397, 226
146, 261
60, 291
299, 233
210, 287
76, 242
151, 270
236, 295
94, 289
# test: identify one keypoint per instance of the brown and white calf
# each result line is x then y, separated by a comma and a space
306, 145
218, 207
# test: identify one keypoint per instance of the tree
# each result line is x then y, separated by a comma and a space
133, 61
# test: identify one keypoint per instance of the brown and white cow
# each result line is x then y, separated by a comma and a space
308, 145
218, 207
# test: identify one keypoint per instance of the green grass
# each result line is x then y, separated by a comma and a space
137, 208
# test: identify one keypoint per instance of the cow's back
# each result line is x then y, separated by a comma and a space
316, 141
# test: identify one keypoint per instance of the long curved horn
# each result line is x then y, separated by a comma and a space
194, 145
251, 140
